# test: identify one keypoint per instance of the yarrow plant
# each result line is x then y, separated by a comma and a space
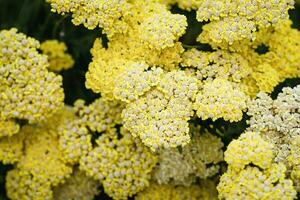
169, 120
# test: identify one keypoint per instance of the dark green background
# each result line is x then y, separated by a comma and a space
33, 17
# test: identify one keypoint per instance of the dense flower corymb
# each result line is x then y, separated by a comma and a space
237, 20
294, 162
252, 172
28, 91
198, 159
277, 120
254, 183
8, 128
241, 152
220, 99
57, 56
166, 105
218, 64
160, 30
123, 165
91, 14
39, 163
11, 148
167, 120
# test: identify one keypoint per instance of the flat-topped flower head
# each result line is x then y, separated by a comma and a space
252, 172
28, 91
220, 98
198, 159
277, 120
231, 21
122, 164
58, 58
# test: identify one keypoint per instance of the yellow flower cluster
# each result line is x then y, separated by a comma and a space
128, 54
11, 148
217, 64
133, 78
254, 183
173, 169
199, 158
236, 20
28, 91
280, 61
74, 141
223, 69
226, 78
123, 165
45, 153
56, 52
249, 148
149, 42
8, 128
283, 51
42, 145
111, 15
277, 120
252, 173
220, 99
205, 191
39, 164
157, 37
205, 152
177, 84
99, 115
77, 187
157, 26
266, 77
21, 185
139, 139
167, 119
167, 108
136, 81
294, 162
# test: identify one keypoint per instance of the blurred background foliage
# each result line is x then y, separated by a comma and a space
34, 18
